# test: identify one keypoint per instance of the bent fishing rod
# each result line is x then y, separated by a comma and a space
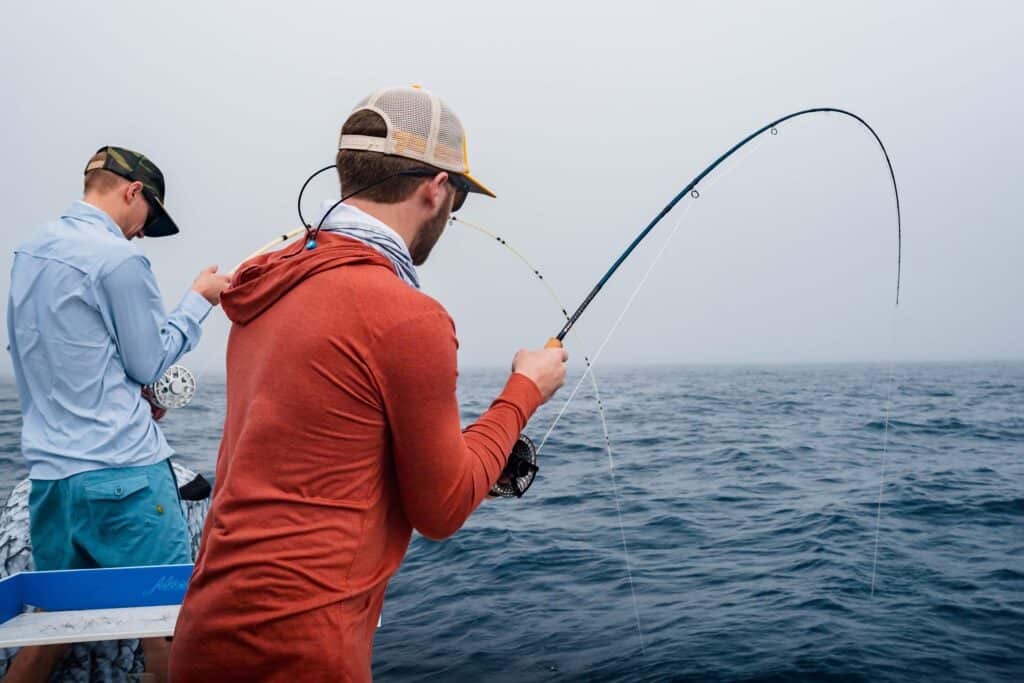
522, 464
691, 190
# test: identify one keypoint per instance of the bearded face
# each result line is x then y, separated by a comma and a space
430, 232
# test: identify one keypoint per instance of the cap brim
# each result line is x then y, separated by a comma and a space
476, 186
162, 225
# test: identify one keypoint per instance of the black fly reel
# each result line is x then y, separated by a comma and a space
519, 472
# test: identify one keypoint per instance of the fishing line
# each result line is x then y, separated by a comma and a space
615, 326
691, 187
600, 411
643, 280
690, 190
280, 239
204, 364
885, 448
515, 252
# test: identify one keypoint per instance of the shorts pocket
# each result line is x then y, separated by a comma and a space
120, 507
117, 489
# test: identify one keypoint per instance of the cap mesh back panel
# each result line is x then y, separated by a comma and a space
449, 139
410, 113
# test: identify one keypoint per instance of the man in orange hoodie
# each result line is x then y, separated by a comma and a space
342, 432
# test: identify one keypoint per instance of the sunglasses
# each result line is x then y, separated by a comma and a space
461, 191
152, 214
457, 181
150, 211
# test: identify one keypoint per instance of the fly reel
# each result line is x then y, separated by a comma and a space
175, 389
519, 472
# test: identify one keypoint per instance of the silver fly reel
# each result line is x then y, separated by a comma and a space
175, 389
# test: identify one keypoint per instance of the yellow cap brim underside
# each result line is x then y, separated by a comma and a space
478, 187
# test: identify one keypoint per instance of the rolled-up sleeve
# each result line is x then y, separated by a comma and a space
148, 339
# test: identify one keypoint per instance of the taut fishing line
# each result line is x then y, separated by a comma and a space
636, 291
600, 411
885, 451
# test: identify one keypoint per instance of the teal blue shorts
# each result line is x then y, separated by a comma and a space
116, 517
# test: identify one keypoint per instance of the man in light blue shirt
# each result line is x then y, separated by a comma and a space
86, 331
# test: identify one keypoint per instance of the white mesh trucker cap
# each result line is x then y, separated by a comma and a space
421, 127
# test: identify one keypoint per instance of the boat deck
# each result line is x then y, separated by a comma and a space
81, 626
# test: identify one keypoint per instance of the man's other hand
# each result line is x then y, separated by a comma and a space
546, 367
156, 411
210, 285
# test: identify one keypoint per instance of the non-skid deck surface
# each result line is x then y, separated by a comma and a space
79, 626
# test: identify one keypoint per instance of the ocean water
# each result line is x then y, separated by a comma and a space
749, 502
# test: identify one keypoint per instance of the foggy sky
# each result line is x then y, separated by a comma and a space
586, 119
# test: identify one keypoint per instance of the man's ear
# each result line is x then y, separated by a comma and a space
131, 190
438, 192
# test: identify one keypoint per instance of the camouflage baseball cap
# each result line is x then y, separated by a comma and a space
138, 167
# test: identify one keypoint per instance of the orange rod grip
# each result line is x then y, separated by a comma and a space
553, 343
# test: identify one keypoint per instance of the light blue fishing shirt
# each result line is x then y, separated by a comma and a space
86, 329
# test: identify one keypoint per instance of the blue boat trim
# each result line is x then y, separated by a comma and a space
78, 589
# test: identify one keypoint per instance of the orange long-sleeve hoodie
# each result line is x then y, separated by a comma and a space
342, 435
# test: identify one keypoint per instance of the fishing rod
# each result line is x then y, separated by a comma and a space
691, 190
522, 462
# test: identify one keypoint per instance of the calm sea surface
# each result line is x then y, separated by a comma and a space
749, 500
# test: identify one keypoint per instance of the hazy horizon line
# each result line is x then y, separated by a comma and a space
9, 376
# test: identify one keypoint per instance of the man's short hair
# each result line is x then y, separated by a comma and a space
99, 180
358, 169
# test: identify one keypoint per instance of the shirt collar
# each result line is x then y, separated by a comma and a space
87, 213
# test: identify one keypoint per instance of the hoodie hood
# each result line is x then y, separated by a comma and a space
261, 281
